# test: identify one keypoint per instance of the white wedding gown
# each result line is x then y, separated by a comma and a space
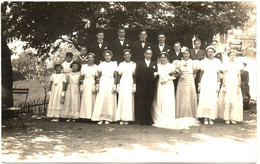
163, 113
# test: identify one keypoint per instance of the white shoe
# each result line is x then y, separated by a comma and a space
68, 120
211, 122
121, 123
54, 120
233, 122
100, 122
227, 122
106, 122
206, 121
126, 123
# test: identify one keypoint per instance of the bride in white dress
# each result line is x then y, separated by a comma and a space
163, 113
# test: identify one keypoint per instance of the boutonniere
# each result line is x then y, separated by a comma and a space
105, 48
127, 45
154, 67
149, 47
168, 50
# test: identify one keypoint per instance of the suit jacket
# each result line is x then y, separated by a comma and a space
157, 51
199, 56
94, 47
117, 49
138, 50
174, 56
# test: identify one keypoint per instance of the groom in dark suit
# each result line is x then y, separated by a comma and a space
145, 88
140, 46
160, 47
99, 46
118, 45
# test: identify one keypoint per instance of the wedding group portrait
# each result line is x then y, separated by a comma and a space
129, 81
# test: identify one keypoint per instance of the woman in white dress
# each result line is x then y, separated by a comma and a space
106, 100
72, 97
57, 90
126, 88
186, 96
88, 89
209, 86
230, 97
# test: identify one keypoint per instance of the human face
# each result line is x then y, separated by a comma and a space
197, 44
186, 55
210, 53
161, 38
107, 57
148, 54
90, 59
215, 44
83, 50
232, 56
75, 67
68, 58
58, 69
143, 35
121, 33
163, 59
100, 36
177, 47
127, 56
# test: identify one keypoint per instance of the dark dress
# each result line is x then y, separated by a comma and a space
245, 89
145, 88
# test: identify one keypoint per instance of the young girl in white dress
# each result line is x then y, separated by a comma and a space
57, 91
72, 97
209, 86
106, 100
126, 88
230, 98
89, 74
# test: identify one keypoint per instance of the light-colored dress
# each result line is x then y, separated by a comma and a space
66, 67
231, 102
208, 92
163, 113
186, 96
106, 101
54, 106
125, 108
88, 96
72, 97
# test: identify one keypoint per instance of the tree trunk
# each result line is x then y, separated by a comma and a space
7, 76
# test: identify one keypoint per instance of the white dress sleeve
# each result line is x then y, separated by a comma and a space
120, 68
51, 78
100, 66
172, 68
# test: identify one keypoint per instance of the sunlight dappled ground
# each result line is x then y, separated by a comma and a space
80, 141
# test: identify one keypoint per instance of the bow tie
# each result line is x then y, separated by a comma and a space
121, 39
161, 44
100, 42
142, 41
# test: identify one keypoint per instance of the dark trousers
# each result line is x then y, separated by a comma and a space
175, 82
197, 81
144, 100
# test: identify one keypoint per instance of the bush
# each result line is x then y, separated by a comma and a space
17, 75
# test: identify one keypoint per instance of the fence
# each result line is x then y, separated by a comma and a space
35, 106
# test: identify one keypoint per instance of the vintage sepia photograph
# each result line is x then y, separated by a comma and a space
129, 81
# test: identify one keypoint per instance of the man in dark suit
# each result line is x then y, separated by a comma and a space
218, 53
118, 45
139, 47
99, 46
197, 54
176, 55
145, 88
160, 47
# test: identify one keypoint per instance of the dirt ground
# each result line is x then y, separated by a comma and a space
44, 140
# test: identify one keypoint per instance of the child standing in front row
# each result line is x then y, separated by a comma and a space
57, 88
106, 103
72, 97
126, 89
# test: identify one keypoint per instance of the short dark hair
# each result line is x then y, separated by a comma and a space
76, 62
121, 28
177, 42
57, 65
100, 31
161, 33
197, 40
142, 31
69, 54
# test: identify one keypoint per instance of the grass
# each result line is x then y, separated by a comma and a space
36, 90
